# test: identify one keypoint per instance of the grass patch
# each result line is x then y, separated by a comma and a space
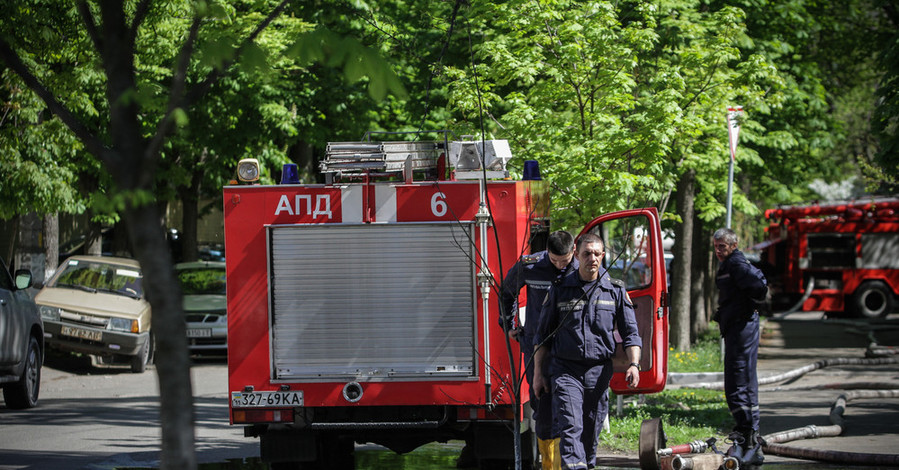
687, 414
704, 356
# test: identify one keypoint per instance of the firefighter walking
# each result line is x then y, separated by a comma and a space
537, 272
574, 347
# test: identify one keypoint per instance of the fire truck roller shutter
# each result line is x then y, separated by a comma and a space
373, 301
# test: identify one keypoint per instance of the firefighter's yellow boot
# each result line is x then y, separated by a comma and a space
549, 454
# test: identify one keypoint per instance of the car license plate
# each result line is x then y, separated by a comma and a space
262, 399
199, 332
81, 333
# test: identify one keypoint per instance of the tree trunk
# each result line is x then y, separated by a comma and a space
93, 244
190, 217
679, 333
9, 249
148, 239
51, 246
699, 267
303, 154
119, 243
711, 289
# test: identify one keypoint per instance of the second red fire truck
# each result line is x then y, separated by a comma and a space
366, 309
840, 257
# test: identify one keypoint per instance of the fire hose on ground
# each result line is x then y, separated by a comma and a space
773, 443
798, 372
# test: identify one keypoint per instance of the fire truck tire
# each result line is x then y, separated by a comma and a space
140, 360
873, 299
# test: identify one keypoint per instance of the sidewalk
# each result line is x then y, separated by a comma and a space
788, 343
870, 425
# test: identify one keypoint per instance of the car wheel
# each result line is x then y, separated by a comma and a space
23, 394
873, 299
140, 360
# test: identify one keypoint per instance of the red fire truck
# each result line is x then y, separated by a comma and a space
366, 309
836, 258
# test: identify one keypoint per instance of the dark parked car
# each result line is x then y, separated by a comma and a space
21, 340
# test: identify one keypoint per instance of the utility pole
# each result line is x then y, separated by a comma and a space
733, 134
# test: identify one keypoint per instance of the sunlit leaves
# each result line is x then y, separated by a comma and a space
357, 61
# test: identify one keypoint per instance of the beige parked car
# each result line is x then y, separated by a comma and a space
96, 305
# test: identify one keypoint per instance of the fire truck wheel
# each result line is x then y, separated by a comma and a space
143, 357
873, 299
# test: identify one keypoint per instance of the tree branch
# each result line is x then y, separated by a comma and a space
704, 87
203, 87
139, 14
176, 96
90, 25
13, 61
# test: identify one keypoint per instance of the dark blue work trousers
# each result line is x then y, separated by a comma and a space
741, 383
543, 406
581, 402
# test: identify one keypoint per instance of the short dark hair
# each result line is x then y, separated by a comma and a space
560, 243
589, 238
726, 235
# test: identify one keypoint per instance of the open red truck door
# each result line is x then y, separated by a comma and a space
633, 243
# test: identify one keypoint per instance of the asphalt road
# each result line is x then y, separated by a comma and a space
106, 417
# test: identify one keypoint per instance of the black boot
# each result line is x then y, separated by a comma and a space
753, 454
737, 447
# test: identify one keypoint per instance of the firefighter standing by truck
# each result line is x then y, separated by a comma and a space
575, 344
742, 290
538, 272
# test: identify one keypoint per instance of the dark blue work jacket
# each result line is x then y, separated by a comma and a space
538, 273
741, 289
578, 319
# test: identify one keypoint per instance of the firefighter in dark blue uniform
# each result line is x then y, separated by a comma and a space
574, 346
537, 271
742, 291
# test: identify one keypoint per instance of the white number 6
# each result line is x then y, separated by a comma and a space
438, 205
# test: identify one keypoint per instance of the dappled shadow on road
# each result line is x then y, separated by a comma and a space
47, 459
803, 333
120, 411
83, 364
99, 423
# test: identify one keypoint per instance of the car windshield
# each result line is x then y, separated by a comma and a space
93, 276
200, 281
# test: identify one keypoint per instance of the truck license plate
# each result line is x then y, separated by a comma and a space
81, 333
262, 399
199, 332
